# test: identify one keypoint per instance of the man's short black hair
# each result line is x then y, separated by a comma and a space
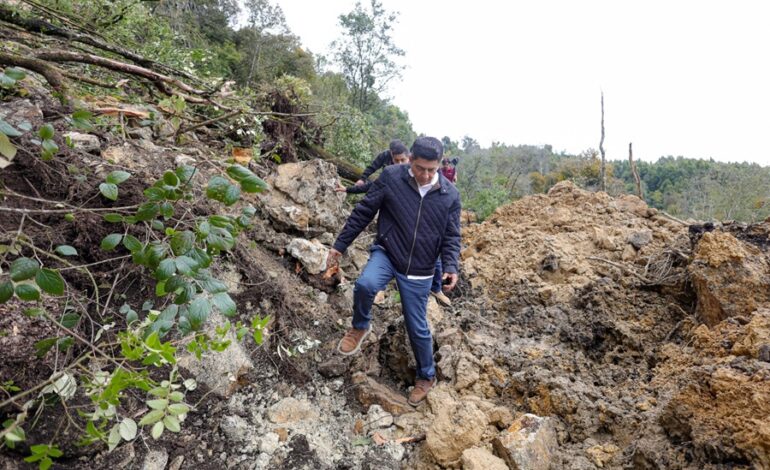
397, 147
428, 148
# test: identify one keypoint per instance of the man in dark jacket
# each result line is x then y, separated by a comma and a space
397, 151
396, 159
419, 220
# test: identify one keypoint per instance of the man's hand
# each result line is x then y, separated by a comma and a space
340, 188
333, 258
360, 182
452, 281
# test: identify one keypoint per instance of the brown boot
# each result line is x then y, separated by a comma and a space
351, 343
420, 391
442, 298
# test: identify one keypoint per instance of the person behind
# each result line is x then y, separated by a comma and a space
419, 219
448, 171
396, 159
396, 151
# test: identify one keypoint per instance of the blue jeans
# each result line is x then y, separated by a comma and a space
414, 302
437, 275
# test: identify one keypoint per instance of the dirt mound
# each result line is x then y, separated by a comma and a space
547, 248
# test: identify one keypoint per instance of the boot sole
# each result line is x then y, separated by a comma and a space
358, 346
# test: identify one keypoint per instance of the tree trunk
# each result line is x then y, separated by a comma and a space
346, 170
601, 149
635, 172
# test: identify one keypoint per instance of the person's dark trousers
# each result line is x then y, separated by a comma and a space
437, 275
414, 302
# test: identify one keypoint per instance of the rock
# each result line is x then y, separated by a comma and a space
236, 428
445, 365
756, 342
602, 454
311, 253
640, 238
334, 367
290, 410
302, 197
183, 159
283, 434
176, 464
143, 133
478, 458
376, 417
21, 113
269, 443
434, 313
466, 372
370, 392
455, 429
155, 459
528, 444
719, 260
84, 142
219, 370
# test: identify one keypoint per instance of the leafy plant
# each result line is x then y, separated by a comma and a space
109, 188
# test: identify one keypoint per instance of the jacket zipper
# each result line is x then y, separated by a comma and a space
414, 238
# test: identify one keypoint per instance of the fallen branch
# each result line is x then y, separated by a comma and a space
159, 80
621, 267
184, 129
52, 75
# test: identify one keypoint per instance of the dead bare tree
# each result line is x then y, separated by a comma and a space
634, 171
603, 174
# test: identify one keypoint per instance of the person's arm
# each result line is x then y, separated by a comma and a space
450, 247
382, 160
362, 214
358, 189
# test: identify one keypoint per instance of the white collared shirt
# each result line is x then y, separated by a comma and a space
426, 187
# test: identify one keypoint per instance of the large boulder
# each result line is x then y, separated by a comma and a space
731, 278
302, 198
528, 444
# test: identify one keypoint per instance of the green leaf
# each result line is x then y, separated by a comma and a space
132, 243
159, 404
127, 429
27, 292
117, 177
220, 239
46, 132
178, 408
34, 312
171, 423
43, 346
113, 218
253, 184
24, 268
6, 291
66, 250
182, 242
176, 396
147, 211
186, 265
154, 194
220, 189
6, 81
15, 73
167, 210
114, 438
238, 172
50, 281
198, 312
171, 179
69, 320
111, 241
109, 190
152, 417
157, 430
165, 270
9, 130
7, 149
185, 173
81, 119
224, 304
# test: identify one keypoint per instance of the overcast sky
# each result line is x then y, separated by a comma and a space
688, 78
